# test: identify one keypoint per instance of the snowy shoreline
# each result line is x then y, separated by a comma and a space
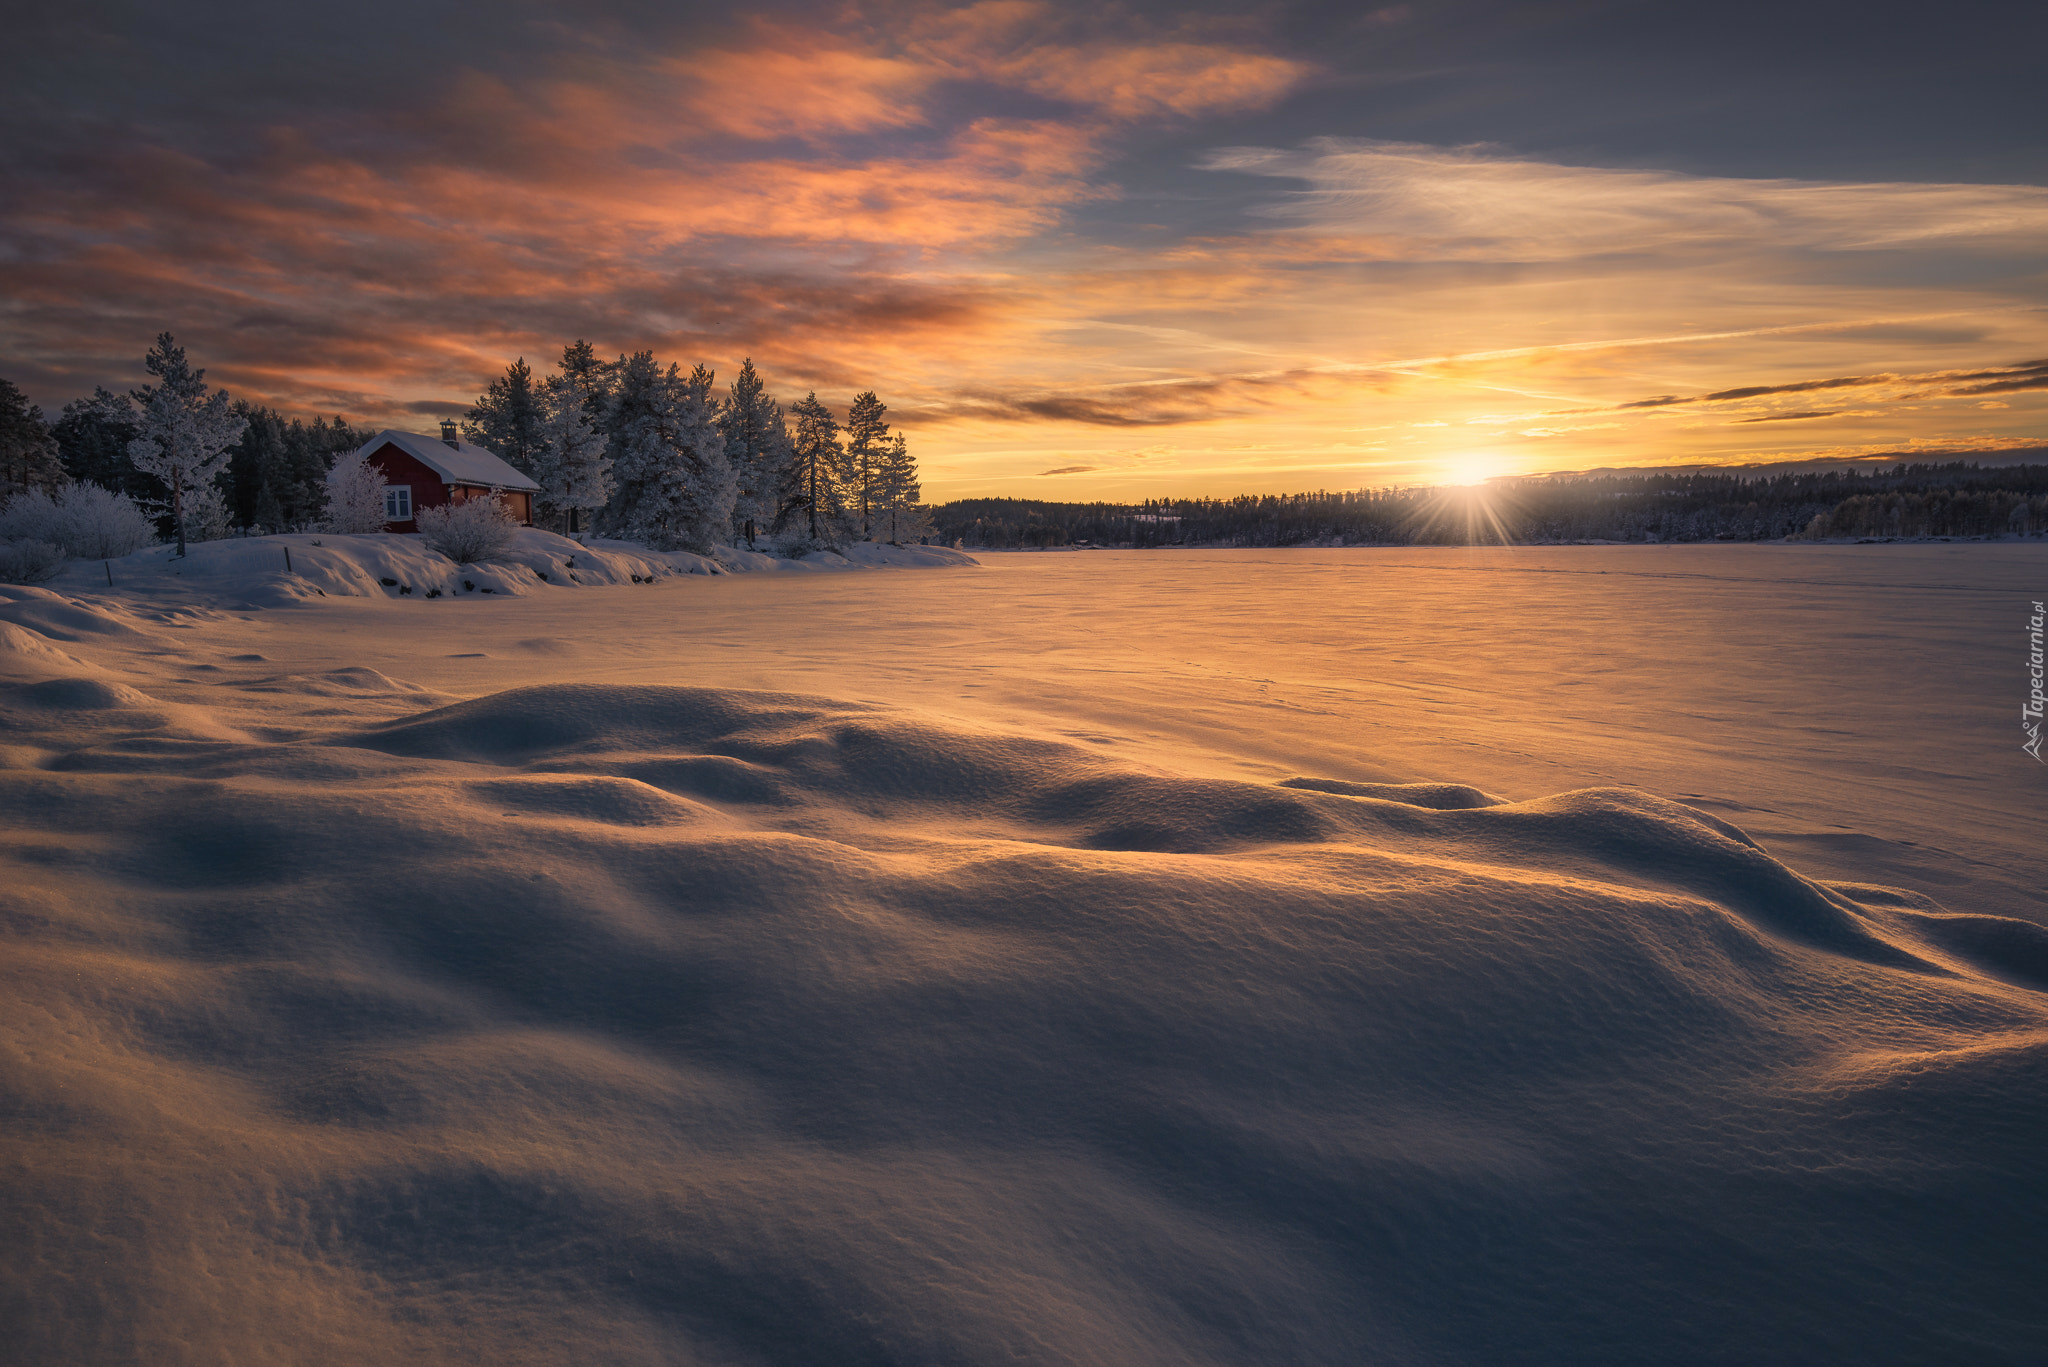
290, 570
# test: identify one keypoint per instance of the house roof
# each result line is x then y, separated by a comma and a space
459, 464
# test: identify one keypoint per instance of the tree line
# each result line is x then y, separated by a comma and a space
626, 448
1904, 500
631, 449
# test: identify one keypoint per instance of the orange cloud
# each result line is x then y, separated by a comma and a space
793, 84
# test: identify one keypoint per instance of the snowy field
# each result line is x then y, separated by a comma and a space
1579, 955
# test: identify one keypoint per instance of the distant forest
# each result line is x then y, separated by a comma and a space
1906, 500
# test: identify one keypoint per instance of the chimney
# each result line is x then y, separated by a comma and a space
448, 432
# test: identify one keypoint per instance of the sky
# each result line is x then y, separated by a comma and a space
1104, 251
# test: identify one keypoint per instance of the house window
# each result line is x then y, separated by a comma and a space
398, 503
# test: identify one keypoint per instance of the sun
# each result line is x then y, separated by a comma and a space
1471, 469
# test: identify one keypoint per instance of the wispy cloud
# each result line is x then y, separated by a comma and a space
1478, 202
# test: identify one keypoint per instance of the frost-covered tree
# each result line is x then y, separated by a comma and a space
82, 519
897, 494
355, 496
28, 453
184, 432
574, 473
813, 484
676, 487
509, 416
758, 448
478, 529
867, 447
636, 427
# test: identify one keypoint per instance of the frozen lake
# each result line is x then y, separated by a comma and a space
1564, 956
1855, 708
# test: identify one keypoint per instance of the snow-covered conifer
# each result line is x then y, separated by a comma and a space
185, 431
758, 447
867, 446
814, 489
898, 510
508, 416
574, 472
355, 497
676, 487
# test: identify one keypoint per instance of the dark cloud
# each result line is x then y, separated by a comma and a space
1095, 412
1070, 470
2025, 375
2011, 380
1794, 417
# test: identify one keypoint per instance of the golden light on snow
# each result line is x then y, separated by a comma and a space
798, 965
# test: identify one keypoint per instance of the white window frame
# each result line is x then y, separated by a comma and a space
398, 503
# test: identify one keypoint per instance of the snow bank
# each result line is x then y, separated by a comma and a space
282, 571
649, 1024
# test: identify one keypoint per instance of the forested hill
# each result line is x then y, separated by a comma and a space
1958, 499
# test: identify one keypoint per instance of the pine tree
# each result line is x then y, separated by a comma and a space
676, 487
813, 486
898, 492
574, 473
257, 465
185, 430
508, 416
310, 452
867, 446
92, 440
758, 448
28, 454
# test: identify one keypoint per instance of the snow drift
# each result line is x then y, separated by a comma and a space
646, 1024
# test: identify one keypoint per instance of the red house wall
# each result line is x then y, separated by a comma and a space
429, 491
401, 467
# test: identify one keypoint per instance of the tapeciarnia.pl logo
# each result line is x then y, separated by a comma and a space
2030, 715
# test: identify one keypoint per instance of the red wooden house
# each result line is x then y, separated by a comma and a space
422, 472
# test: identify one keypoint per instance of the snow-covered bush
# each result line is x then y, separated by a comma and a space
99, 524
468, 532
82, 520
33, 513
355, 497
29, 562
207, 517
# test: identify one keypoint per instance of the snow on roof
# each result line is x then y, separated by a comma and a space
462, 463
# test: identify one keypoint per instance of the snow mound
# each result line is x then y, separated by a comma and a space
654, 1024
23, 651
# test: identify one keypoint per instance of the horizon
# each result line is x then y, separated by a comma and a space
1081, 258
